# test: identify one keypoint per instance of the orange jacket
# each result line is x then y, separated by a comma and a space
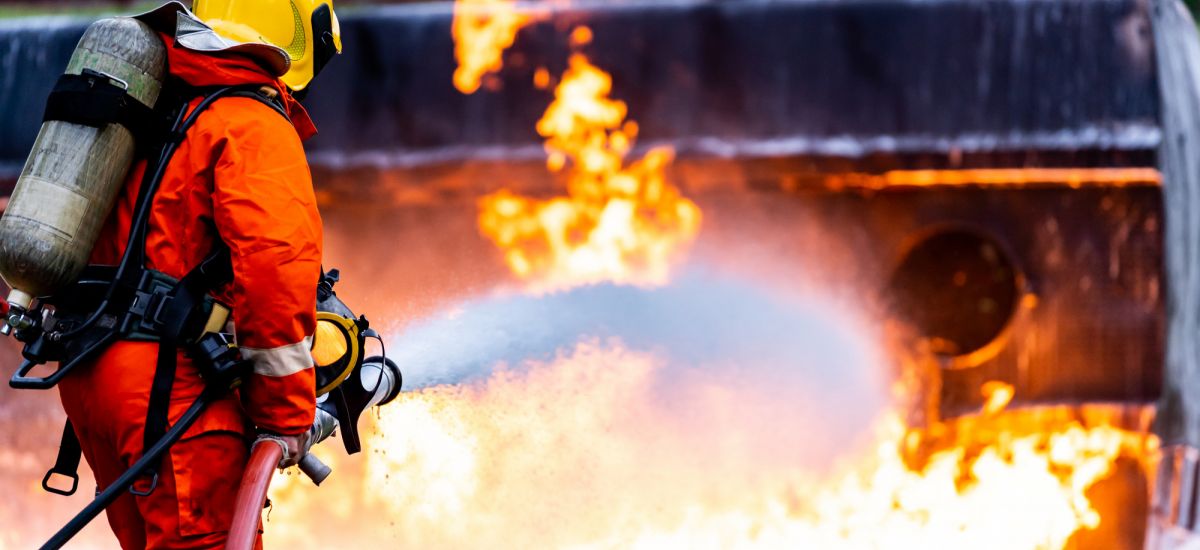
241, 176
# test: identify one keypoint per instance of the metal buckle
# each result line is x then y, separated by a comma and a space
92, 73
154, 310
74, 477
153, 485
148, 307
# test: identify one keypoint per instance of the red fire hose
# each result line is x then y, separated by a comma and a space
252, 496
266, 454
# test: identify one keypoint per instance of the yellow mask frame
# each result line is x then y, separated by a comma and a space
336, 350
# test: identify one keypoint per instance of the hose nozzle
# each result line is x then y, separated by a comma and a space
316, 470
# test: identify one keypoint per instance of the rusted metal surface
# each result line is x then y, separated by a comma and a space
1029, 83
1088, 325
1173, 522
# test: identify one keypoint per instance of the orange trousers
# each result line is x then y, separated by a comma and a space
192, 506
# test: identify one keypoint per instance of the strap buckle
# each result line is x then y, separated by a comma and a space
151, 300
73, 476
67, 463
148, 307
94, 74
153, 485
164, 307
160, 300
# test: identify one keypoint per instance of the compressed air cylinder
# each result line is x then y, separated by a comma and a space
75, 172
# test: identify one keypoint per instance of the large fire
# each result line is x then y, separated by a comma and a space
588, 450
620, 222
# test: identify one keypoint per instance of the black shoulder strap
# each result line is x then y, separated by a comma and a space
156, 168
186, 298
267, 96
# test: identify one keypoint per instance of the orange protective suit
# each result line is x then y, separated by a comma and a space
240, 176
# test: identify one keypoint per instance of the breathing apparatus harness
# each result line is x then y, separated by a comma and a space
131, 302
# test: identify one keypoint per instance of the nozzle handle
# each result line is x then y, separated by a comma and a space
316, 470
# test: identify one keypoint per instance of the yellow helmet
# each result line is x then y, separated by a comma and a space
306, 29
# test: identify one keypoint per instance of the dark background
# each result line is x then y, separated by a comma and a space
69, 5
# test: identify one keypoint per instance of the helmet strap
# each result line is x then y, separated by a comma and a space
324, 46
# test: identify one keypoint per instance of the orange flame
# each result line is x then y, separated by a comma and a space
1076, 178
579, 452
482, 30
996, 396
619, 222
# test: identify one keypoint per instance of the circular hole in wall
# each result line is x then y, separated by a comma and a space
956, 288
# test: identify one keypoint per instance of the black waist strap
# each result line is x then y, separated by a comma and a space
180, 320
174, 317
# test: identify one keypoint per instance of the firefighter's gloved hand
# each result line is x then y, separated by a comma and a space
294, 446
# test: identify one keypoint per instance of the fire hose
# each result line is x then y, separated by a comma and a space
379, 374
260, 469
252, 495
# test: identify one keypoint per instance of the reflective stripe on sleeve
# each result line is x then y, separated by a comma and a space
281, 361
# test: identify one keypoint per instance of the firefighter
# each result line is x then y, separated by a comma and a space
240, 177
